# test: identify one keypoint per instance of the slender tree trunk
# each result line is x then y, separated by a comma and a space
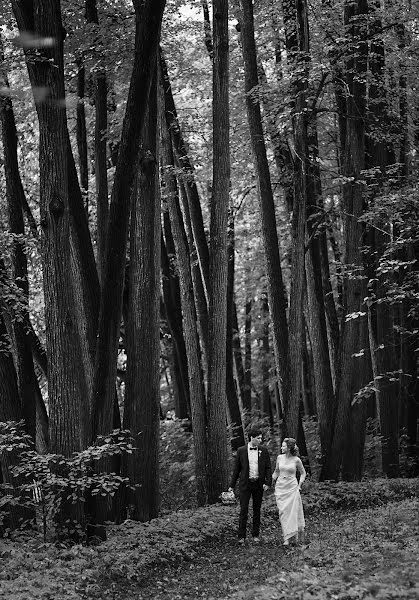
148, 23
193, 352
142, 395
198, 284
231, 389
217, 459
266, 362
297, 43
192, 194
81, 132
27, 381
247, 395
101, 173
275, 286
237, 353
171, 294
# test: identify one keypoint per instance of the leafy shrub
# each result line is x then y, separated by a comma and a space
326, 496
58, 485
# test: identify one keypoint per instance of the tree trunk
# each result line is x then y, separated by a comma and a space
325, 399
171, 294
231, 389
247, 395
148, 22
193, 352
297, 44
380, 155
27, 381
142, 395
101, 172
217, 459
81, 133
66, 382
198, 284
84, 280
266, 362
189, 182
354, 368
275, 286
237, 352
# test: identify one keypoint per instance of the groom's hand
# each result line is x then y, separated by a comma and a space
265, 487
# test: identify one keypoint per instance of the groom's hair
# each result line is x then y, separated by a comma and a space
254, 432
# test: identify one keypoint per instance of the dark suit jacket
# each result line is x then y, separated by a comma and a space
241, 468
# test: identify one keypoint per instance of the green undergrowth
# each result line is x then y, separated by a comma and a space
119, 567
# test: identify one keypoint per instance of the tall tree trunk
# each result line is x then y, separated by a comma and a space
380, 155
84, 280
142, 395
101, 173
316, 321
247, 395
66, 382
81, 132
354, 368
237, 352
171, 294
148, 16
27, 381
193, 352
275, 286
297, 44
266, 362
198, 284
192, 194
231, 389
217, 459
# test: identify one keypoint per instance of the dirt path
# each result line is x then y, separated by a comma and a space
371, 554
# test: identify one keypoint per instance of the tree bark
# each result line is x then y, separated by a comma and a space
217, 459
247, 395
231, 389
171, 295
354, 368
148, 23
189, 182
27, 381
66, 383
142, 395
81, 133
193, 352
101, 172
297, 44
276, 295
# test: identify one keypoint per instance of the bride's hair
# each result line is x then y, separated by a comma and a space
292, 446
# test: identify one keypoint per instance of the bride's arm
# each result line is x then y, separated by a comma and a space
275, 474
302, 471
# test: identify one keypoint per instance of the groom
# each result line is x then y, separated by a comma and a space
253, 466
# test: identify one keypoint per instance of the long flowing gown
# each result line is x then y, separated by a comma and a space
288, 499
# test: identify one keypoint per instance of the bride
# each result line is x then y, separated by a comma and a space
287, 491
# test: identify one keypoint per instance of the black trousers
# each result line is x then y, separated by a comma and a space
253, 490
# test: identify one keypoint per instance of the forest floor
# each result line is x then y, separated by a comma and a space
363, 554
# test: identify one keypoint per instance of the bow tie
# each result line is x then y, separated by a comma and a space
253, 448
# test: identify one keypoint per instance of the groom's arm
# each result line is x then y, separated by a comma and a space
236, 470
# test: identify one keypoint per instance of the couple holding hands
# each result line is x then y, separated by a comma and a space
253, 469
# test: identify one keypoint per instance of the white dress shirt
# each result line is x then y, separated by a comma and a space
253, 461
